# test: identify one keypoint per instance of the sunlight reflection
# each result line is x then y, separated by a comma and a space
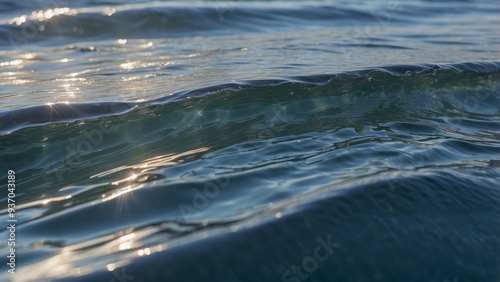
111, 266
125, 246
29, 56
131, 78
127, 237
117, 193
143, 252
71, 94
56, 266
78, 259
146, 45
43, 15
48, 14
149, 164
130, 178
82, 72
128, 65
144, 166
11, 63
166, 160
108, 12
42, 202
19, 81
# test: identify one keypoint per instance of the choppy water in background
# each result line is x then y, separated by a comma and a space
228, 141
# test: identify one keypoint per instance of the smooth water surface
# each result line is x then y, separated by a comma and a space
251, 141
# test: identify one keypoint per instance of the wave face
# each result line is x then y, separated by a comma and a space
384, 156
251, 141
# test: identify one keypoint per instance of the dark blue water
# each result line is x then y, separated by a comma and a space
250, 141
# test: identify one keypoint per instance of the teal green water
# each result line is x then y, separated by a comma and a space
280, 141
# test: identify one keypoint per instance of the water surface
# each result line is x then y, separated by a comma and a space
228, 141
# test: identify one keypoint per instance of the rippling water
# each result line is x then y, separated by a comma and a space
251, 141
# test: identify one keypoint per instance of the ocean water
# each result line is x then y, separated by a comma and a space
250, 140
